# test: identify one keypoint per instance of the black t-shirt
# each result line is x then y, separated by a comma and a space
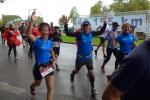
22, 30
133, 75
55, 37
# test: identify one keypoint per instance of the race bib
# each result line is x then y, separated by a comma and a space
56, 44
46, 70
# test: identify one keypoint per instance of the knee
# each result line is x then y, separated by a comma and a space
91, 73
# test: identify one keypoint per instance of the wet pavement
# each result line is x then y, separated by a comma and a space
16, 76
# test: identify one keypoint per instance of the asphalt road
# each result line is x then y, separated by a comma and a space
16, 76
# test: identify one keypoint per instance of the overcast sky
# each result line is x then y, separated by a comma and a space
50, 10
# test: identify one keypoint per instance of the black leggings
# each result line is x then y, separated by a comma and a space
120, 57
109, 53
14, 48
30, 52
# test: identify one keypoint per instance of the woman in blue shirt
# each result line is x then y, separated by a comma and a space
126, 41
43, 62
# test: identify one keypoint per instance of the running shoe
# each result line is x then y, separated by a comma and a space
102, 69
16, 58
72, 78
93, 93
95, 52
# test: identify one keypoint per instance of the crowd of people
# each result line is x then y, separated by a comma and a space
130, 79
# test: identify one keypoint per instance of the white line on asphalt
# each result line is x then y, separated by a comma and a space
11, 89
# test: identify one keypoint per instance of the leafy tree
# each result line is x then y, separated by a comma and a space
1, 23
61, 24
130, 5
2, 1
73, 14
6, 19
96, 9
38, 20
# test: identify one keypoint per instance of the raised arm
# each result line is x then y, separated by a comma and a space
68, 33
29, 30
102, 30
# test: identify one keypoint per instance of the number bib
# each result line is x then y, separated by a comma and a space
56, 44
46, 70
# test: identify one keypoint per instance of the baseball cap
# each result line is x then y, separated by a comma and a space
86, 23
115, 24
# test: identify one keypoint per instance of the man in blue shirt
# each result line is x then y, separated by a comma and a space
131, 81
84, 49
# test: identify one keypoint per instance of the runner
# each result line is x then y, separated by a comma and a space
43, 62
132, 31
56, 39
11, 36
127, 42
102, 42
51, 29
84, 50
131, 81
2, 30
22, 30
36, 34
111, 46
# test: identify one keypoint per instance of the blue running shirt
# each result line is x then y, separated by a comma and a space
85, 46
42, 50
126, 42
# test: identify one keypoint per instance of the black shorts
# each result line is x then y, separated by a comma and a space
88, 63
56, 50
36, 72
102, 40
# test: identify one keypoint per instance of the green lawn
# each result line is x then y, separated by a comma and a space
96, 40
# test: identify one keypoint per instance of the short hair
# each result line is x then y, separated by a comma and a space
115, 24
56, 27
126, 25
43, 25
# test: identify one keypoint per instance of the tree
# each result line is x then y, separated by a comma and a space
38, 20
135, 5
6, 19
2, 1
96, 9
1, 23
73, 14
130, 5
61, 24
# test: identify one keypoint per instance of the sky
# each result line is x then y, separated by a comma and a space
50, 10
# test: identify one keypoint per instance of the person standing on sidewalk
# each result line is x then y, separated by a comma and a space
84, 50
43, 63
